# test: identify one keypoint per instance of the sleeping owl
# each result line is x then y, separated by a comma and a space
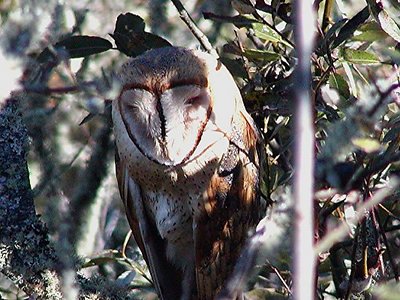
188, 168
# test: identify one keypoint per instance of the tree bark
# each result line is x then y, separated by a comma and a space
26, 256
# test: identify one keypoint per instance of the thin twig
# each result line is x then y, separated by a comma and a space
47, 91
353, 258
125, 244
129, 261
281, 278
199, 35
388, 250
340, 232
383, 96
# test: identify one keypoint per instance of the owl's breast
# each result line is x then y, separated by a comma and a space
173, 196
172, 203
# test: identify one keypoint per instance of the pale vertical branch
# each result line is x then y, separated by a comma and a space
304, 261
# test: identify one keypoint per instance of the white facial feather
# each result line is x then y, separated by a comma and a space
171, 122
139, 113
185, 112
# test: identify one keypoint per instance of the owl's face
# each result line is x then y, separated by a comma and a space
167, 103
168, 126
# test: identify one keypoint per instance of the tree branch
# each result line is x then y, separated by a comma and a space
200, 36
304, 262
26, 256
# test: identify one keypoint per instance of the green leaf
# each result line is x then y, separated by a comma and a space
347, 70
263, 55
370, 32
368, 145
266, 33
389, 25
359, 56
101, 260
338, 82
78, 46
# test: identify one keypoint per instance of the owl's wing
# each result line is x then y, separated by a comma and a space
232, 208
166, 277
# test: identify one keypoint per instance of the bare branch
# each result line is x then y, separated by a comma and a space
340, 232
304, 263
200, 36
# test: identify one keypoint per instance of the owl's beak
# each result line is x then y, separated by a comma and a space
164, 150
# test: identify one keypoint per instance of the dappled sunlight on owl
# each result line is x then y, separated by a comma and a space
187, 167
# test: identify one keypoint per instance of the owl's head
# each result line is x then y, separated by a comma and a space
173, 100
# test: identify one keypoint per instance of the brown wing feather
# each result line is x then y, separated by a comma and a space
232, 208
166, 277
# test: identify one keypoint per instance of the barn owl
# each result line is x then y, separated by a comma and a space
187, 166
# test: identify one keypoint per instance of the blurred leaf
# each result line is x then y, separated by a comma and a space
351, 26
78, 46
359, 56
394, 129
261, 5
263, 55
243, 6
330, 37
349, 74
388, 291
99, 261
368, 145
235, 67
125, 279
266, 33
392, 134
130, 37
338, 82
389, 25
239, 21
395, 119
393, 54
277, 8
232, 48
129, 22
87, 118
273, 102
264, 293
370, 32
